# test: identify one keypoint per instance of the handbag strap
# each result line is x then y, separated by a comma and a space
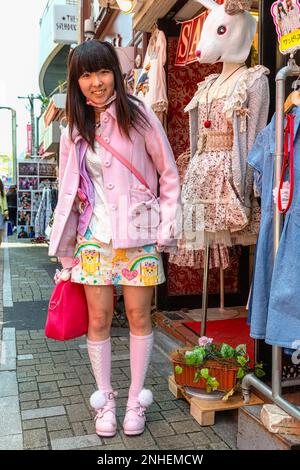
288, 158
123, 160
54, 303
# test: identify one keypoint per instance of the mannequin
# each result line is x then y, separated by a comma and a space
226, 113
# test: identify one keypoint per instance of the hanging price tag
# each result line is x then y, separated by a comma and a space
284, 194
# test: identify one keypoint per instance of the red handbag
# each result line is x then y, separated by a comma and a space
67, 312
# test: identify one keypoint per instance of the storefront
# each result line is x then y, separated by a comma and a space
183, 73
176, 19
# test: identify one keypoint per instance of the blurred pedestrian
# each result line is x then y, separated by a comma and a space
11, 197
4, 215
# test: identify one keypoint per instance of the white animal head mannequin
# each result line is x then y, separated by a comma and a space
227, 33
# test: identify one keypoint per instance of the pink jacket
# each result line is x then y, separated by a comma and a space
137, 216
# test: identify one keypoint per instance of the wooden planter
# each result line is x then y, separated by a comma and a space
226, 374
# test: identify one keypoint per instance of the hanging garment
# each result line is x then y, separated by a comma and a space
274, 309
217, 194
131, 80
44, 213
151, 87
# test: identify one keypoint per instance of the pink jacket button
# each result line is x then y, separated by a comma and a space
107, 140
107, 163
105, 119
114, 207
110, 186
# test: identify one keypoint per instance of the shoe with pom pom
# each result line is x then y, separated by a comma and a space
105, 407
134, 421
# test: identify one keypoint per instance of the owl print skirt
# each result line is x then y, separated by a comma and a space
97, 264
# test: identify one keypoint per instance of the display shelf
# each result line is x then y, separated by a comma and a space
33, 177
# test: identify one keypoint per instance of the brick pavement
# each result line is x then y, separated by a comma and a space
45, 385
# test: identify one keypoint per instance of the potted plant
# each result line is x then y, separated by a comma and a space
213, 366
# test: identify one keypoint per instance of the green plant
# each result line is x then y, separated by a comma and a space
222, 353
45, 100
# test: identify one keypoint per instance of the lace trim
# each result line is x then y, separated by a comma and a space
219, 257
160, 106
239, 95
201, 87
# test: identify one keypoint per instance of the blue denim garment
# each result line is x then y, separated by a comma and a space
274, 308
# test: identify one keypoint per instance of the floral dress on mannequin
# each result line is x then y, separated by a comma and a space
219, 207
151, 87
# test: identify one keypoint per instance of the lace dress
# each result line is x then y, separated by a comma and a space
213, 210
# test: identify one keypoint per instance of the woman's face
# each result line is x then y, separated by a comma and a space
98, 86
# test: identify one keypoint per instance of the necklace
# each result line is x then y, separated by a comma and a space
208, 122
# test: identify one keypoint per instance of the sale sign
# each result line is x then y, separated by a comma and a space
189, 38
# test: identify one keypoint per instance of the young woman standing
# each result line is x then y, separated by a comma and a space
109, 225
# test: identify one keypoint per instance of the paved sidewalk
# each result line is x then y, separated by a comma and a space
45, 385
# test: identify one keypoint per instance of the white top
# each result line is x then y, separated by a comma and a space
100, 222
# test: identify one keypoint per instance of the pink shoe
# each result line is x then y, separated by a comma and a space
105, 419
134, 421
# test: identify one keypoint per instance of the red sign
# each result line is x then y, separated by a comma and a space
29, 139
189, 38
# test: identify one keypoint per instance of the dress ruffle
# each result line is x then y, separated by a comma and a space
219, 258
237, 99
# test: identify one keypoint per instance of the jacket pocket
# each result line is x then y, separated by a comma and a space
144, 208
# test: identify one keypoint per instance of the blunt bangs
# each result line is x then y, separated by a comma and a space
92, 56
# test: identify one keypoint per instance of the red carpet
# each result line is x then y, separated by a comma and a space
232, 332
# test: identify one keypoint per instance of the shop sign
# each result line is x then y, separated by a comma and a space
29, 139
189, 38
286, 16
65, 20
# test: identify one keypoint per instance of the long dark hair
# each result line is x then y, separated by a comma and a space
279, 4
91, 56
1, 188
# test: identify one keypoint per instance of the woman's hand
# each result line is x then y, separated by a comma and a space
63, 275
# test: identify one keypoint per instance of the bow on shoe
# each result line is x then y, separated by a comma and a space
104, 406
141, 411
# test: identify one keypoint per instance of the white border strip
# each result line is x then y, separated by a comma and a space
7, 293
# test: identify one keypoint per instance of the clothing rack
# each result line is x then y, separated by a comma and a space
274, 392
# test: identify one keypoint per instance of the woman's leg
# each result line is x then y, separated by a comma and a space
138, 309
1, 236
100, 308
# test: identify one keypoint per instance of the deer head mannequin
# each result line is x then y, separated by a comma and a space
227, 33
